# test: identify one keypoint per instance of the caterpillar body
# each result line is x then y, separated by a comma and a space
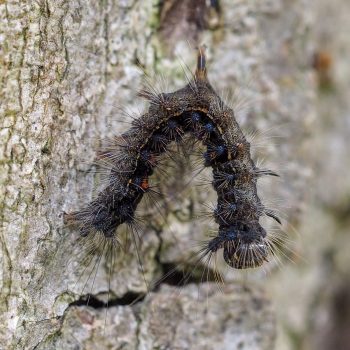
195, 109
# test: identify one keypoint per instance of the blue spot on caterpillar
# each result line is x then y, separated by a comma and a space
196, 109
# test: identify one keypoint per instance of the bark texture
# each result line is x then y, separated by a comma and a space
65, 67
317, 316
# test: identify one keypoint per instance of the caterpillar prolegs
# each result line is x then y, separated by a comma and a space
198, 111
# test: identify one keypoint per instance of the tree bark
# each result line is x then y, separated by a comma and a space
66, 65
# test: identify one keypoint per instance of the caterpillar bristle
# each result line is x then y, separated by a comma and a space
147, 95
201, 71
273, 215
265, 172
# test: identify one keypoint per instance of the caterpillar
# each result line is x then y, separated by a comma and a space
198, 111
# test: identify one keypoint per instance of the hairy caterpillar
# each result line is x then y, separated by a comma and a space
196, 110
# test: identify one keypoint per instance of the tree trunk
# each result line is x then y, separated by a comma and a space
66, 65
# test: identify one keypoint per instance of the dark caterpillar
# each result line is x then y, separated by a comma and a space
195, 109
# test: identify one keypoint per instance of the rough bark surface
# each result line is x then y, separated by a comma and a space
65, 67
317, 316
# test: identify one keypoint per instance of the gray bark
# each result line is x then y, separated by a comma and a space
65, 66
316, 308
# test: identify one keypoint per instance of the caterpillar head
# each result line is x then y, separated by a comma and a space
245, 247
